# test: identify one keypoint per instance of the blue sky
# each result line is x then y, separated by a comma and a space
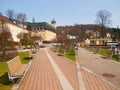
65, 12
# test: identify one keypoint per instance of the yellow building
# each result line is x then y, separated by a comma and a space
45, 31
98, 41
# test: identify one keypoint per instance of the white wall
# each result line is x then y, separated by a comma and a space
15, 30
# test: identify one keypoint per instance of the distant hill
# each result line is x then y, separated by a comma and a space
82, 31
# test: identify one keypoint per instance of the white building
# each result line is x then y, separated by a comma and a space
15, 31
12, 27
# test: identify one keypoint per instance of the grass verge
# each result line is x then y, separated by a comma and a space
70, 54
103, 52
24, 56
5, 84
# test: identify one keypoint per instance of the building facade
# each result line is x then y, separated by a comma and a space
45, 31
14, 28
99, 41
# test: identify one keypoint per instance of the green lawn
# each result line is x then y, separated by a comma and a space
5, 84
24, 56
115, 58
72, 57
103, 52
70, 54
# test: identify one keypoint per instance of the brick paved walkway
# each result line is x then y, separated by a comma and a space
94, 83
42, 76
68, 67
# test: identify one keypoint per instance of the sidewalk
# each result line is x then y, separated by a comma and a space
51, 72
40, 75
68, 68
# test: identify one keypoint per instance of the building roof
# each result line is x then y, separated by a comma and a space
53, 21
4, 19
40, 26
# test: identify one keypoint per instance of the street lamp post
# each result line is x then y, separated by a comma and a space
72, 38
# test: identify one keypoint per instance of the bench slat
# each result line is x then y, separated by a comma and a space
13, 65
20, 70
15, 68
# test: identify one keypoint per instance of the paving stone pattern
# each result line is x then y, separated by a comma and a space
42, 76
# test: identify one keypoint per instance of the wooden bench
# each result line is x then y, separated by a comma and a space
60, 54
15, 68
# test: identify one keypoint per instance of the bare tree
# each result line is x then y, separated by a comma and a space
20, 36
24, 36
21, 17
10, 14
103, 19
5, 40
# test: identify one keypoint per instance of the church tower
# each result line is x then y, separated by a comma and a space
53, 22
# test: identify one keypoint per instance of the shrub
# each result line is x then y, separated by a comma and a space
24, 56
54, 49
70, 53
60, 50
102, 52
4, 79
114, 57
8, 56
33, 51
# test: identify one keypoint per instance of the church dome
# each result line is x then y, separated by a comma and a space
53, 21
